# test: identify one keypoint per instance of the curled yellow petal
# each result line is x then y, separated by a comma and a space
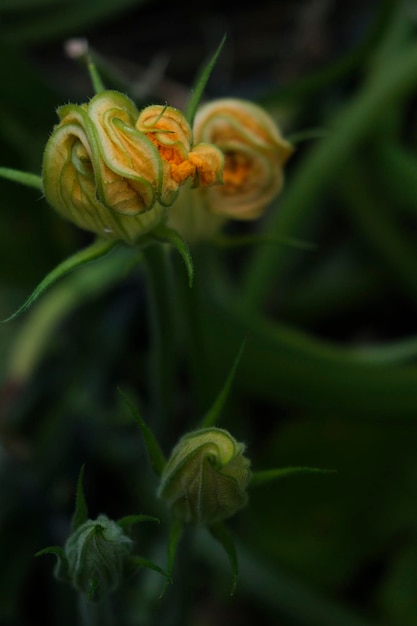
168, 129
208, 161
206, 477
254, 155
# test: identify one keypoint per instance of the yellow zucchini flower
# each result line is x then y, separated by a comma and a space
254, 156
182, 161
102, 173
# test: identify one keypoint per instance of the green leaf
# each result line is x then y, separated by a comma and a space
155, 453
96, 250
213, 413
266, 476
200, 84
142, 562
81, 512
24, 178
130, 520
169, 235
221, 533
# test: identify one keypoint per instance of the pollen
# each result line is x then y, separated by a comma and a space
180, 168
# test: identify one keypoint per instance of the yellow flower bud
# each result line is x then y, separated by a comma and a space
100, 172
168, 129
206, 477
254, 155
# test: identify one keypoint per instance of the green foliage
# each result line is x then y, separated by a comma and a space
322, 289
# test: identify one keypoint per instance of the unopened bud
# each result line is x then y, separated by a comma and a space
206, 477
254, 156
96, 553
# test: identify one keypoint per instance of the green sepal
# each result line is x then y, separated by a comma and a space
62, 566
156, 456
221, 533
169, 235
24, 178
213, 413
95, 77
95, 251
265, 476
175, 534
81, 511
200, 84
130, 520
140, 561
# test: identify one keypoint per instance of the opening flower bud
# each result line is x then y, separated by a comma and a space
254, 155
96, 554
168, 129
100, 172
206, 477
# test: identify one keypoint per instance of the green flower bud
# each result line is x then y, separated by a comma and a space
96, 553
206, 477
101, 172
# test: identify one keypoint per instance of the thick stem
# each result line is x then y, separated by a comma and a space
189, 304
162, 326
95, 613
320, 165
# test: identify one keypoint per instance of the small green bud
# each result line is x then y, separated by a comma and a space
206, 477
96, 554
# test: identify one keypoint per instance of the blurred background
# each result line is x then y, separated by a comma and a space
329, 373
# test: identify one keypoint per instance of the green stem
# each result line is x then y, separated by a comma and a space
322, 164
163, 329
95, 613
304, 371
24, 178
395, 169
379, 226
189, 304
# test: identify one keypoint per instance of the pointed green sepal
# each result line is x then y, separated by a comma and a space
266, 476
24, 178
95, 251
213, 413
79, 49
200, 84
81, 511
130, 520
169, 235
140, 561
95, 77
156, 456
62, 565
221, 533
175, 534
